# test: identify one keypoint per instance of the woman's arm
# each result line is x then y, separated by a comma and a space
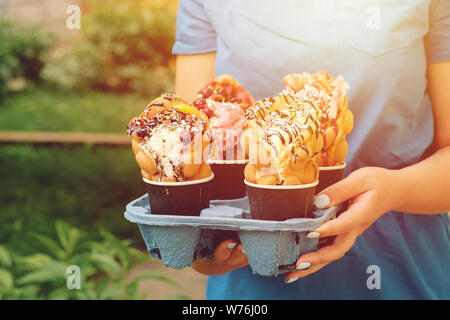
421, 188
193, 72
438, 75
426, 185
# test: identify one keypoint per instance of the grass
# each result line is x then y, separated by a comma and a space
86, 186
46, 109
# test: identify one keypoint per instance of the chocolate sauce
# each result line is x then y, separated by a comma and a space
278, 134
271, 144
294, 154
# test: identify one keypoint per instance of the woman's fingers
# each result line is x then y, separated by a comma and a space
343, 190
238, 258
353, 217
314, 261
224, 250
230, 253
360, 213
335, 251
295, 275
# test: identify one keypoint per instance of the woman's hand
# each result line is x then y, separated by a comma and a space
372, 192
228, 256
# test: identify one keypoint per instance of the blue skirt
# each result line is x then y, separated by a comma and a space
409, 254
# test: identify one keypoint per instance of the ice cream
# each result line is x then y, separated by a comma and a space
169, 138
226, 125
224, 101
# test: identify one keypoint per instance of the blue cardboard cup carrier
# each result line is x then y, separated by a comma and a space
280, 203
187, 198
329, 176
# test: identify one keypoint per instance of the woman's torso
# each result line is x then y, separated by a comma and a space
377, 46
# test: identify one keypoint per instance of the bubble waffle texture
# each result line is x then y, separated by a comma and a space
184, 122
280, 140
329, 94
272, 247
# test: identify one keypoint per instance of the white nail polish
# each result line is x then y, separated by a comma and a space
291, 280
232, 245
303, 266
322, 201
313, 235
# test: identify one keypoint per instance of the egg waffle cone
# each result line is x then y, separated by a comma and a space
280, 140
336, 122
185, 125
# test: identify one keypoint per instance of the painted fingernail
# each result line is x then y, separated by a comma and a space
232, 245
243, 251
313, 235
322, 201
304, 266
291, 280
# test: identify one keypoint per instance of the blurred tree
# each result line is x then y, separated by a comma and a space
22, 53
125, 46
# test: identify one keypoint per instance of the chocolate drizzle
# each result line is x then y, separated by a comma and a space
184, 124
294, 154
143, 126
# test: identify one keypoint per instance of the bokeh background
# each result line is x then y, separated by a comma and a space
66, 167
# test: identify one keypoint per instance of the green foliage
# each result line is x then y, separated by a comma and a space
85, 186
103, 265
125, 46
132, 31
78, 68
22, 52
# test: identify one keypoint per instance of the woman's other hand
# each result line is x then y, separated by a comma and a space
228, 256
371, 192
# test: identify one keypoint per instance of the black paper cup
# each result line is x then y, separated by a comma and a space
186, 198
329, 175
280, 203
228, 179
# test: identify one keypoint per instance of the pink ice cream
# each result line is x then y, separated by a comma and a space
226, 124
